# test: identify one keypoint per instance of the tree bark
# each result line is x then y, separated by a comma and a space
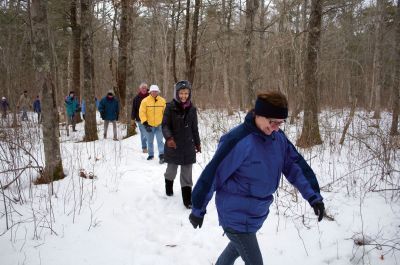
396, 86
123, 57
310, 134
377, 64
88, 88
193, 50
76, 51
251, 10
43, 67
186, 39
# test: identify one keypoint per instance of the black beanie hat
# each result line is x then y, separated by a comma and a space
268, 110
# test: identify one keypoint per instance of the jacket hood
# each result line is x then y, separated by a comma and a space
176, 94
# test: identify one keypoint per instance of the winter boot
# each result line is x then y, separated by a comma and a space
150, 157
187, 196
161, 158
169, 187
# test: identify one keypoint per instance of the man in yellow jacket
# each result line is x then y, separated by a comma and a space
151, 113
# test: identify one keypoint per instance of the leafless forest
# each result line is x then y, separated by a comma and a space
321, 54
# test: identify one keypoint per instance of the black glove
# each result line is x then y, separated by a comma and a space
147, 126
102, 114
117, 117
196, 221
319, 209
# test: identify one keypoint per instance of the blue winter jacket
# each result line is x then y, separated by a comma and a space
245, 171
36, 106
109, 108
71, 105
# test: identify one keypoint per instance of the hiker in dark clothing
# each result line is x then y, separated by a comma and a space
143, 92
38, 108
109, 112
180, 130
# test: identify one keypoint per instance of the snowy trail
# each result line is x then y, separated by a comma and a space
126, 218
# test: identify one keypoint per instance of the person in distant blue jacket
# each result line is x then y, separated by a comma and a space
38, 108
109, 112
71, 107
245, 172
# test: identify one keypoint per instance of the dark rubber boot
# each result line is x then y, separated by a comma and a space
187, 197
169, 187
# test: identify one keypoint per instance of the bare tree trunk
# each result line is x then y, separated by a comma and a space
186, 39
193, 52
87, 51
123, 57
111, 62
377, 67
310, 135
76, 52
175, 21
299, 59
226, 54
42, 61
396, 86
251, 10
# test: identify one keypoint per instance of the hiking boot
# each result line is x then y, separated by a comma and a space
169, 187
150, 157
161, 159
187, 197
144, 150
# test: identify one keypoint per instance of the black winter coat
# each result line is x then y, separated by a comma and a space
136, 105
182, 126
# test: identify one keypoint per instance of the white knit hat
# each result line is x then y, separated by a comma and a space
154, 88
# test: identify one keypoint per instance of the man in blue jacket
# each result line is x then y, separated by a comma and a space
109, 112
245, 171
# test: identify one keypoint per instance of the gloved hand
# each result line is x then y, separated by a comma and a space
319, 209
102, 115
171, 142
147, 126
198, 148
196, 221
117, 117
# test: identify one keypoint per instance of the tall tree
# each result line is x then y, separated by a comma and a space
396, 86
124, 38
191, 55
76, 48
378, 57
43, 66
76, 52
88, 69
251, 10
310, 135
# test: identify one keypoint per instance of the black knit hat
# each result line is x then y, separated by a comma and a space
268, 110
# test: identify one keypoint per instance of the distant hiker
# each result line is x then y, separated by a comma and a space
4, 107
38, 108
71, 106
23, 105
245, 172
181, 132
109, 112
151, 113
143, 92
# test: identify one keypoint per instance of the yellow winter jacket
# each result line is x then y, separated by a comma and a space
152, 110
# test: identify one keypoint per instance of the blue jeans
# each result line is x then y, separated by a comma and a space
150, 139
240, 244
143, 133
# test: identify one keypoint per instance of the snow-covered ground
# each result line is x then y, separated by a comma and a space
123, 216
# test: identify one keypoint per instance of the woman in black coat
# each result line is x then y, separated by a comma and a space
180, 129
